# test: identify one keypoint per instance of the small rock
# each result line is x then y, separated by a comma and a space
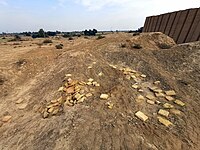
128, 77
170, 93
60, 89
163, 112
81, 100
88, 95
158, 90
22, 106
141, 97
143, 76
6, 118
157, 82
175, 111
140, 90
78, 96
180, 103
100, 74
68, 103
19, 101
70, 90
90, 80
169, 98
45, 115
55, 111
96, 84
158, 102
133, 76
68, 75
141, 116
89, 83
104, 96
54, 101
50, 110
89, 67
135, 86
165, 122
167, 105
150, 102
149, 96
110, 105
160, 94
153, 88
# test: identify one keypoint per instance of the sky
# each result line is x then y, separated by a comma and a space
78, 15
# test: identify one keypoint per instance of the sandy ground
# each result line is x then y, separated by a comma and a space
30, 77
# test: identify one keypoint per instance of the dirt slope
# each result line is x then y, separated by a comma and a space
31, 76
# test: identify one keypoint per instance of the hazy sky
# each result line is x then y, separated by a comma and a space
68, 15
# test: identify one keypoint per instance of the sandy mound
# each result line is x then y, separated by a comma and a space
153, 41
95, 94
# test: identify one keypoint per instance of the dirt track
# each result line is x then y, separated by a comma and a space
33, 76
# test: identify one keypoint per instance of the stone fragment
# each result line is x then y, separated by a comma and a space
153, 88
168, 106
143, 76
157, 90
158, 102
96, 84
135, 86
110, 105
6, 118
140, 90
89, 83
88, 95
50, 110
169, 98
82, 83
100, 74
133, 76
54, 101
89, 67
175, 111
70, 90
160, 94
163, 112
90, 80
82, 99
104, 96
141, 116
170, 93
78, 96
128, 77
112, 66
150, 102
164, 121
56, 110
149, 96
68, 75
19, 101
68, 103
140, 97
157, 82
22, 106
45, 115
180, 103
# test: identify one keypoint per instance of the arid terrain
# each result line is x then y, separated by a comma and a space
51, 99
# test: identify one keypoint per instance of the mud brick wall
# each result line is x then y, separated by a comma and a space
183, 26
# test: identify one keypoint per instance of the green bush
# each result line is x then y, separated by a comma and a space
100, 37
59, 46
164, 46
